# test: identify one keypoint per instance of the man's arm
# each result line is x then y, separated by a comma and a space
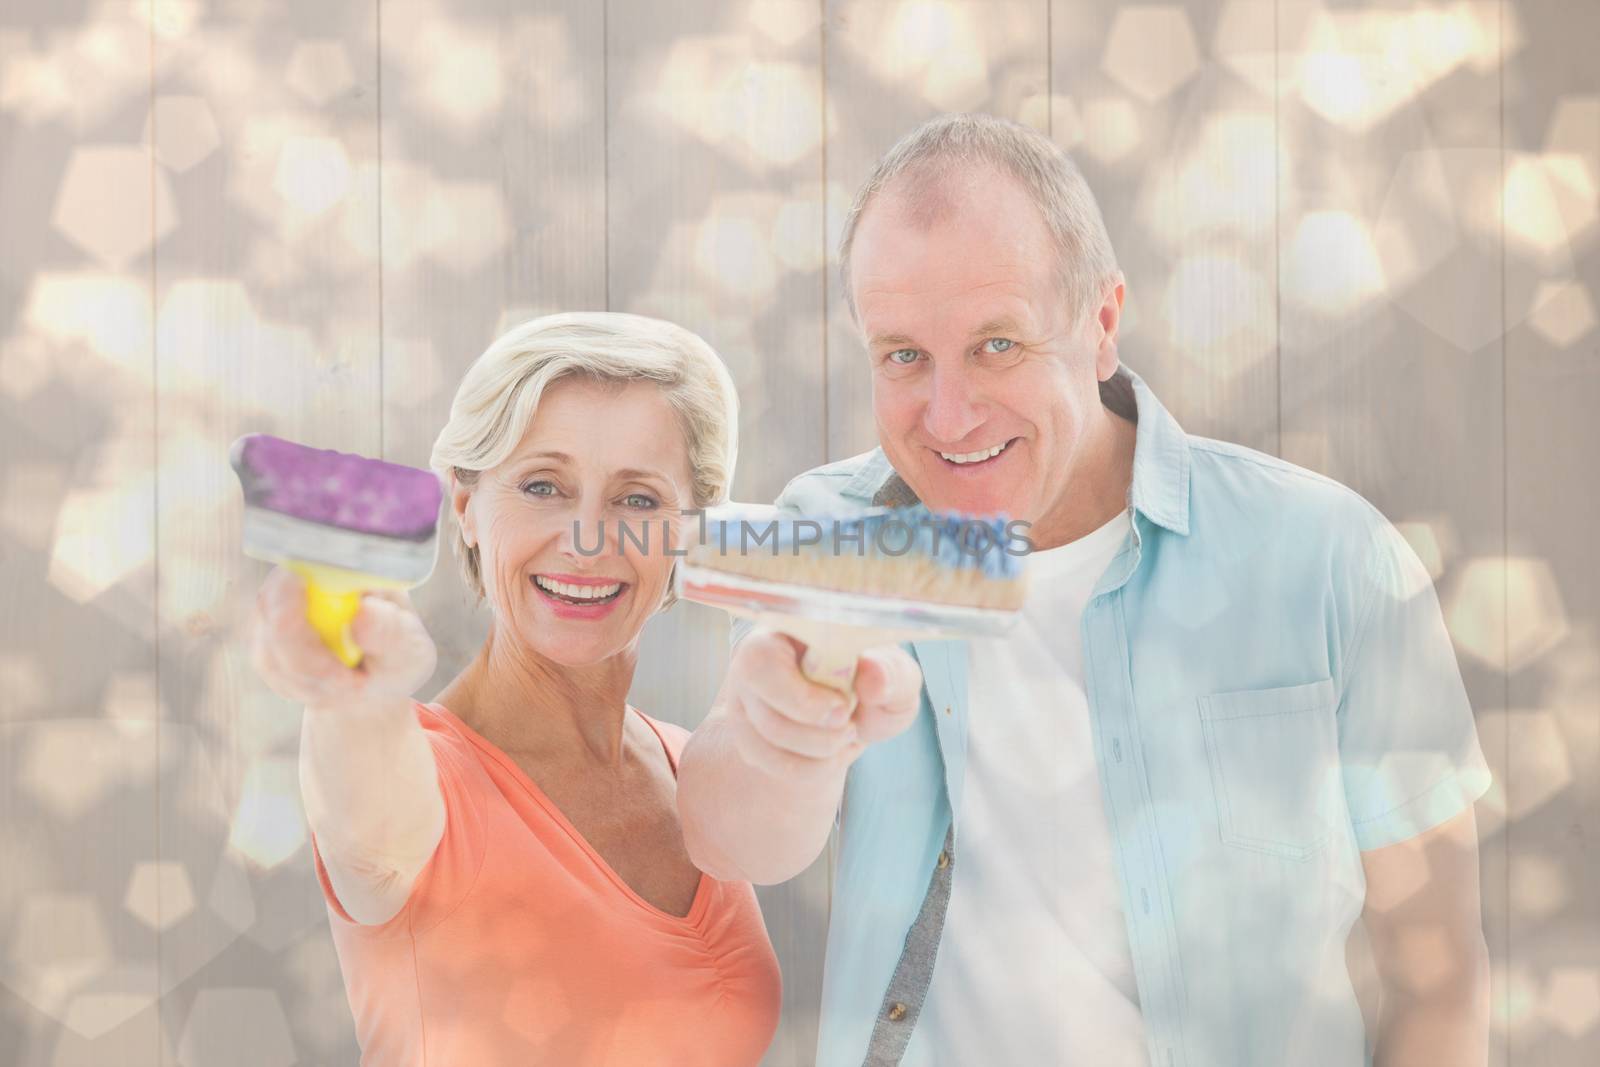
1425, 923
761, 779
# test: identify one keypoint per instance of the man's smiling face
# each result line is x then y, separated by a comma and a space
982, 376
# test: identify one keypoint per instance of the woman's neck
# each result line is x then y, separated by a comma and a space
524, 703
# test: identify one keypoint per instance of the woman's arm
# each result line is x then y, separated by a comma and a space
370, 785
368, 775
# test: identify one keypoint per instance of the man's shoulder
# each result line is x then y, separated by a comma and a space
1253, 481
845, 482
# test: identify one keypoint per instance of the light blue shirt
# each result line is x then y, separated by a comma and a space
1272, 691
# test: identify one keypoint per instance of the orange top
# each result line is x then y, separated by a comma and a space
519, 945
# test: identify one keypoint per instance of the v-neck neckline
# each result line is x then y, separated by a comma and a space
702, 892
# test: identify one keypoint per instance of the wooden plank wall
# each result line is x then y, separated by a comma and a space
1360, 236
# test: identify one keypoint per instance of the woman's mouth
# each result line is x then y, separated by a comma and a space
574, 598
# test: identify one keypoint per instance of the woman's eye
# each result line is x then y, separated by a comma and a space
639, 500
540, 488
903, 356
997, 345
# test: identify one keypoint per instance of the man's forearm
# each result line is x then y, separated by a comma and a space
1446, 1023
747, 824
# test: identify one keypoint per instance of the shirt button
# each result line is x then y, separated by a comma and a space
947, 709
897, 1011
944, 859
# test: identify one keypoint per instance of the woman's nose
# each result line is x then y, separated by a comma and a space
590, 532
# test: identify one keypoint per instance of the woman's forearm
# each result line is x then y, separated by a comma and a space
370, 785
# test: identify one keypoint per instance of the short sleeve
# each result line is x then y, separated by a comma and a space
1407, 742
452, 870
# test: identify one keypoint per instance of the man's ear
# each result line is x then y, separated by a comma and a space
459, 497
1108, 320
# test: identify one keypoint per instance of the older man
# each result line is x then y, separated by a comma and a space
1139, 829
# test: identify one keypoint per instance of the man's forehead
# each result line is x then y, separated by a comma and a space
903, 316
977, 249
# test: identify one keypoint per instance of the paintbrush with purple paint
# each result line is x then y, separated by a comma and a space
344, 523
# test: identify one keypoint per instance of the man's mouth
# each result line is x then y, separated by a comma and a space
573, 593
964, 459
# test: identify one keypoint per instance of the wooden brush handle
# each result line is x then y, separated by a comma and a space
831, 649
831, 665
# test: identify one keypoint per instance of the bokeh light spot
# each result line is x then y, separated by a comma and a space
184, 131
92, 208
1507, 613
1572, 1000
269, 825
320, 71
159, 894
1332, 264
313, 173
1151, 50
1563, 313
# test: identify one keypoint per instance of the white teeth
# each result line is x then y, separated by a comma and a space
576, 592
975, 457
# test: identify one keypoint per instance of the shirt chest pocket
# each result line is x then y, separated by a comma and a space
1274, 756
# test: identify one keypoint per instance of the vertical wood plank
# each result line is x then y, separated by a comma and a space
1169, 112
1391, 322
77, 521
715, 222
1552, 262
890, 66
493, 175
267, 320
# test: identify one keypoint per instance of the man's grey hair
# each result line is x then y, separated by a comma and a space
929, 156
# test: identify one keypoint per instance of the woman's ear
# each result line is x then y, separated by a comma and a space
460, 496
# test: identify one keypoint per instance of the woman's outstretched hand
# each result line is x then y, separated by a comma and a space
398, 655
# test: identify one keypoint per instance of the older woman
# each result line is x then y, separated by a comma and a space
503, 867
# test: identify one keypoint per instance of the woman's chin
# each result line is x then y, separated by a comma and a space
566, 644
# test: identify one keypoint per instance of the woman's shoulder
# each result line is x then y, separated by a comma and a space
673, 736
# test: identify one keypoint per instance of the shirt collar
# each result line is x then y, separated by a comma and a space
1160, 489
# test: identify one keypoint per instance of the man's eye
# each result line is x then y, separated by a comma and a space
639, 500
540, 488
996, 345
903, 356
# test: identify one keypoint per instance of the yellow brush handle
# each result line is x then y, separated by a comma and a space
333, 599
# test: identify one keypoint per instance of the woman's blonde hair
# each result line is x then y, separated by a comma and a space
500, 393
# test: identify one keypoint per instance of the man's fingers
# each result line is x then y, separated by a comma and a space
815, 742
888, 676
880, 723
769, 666
889, 685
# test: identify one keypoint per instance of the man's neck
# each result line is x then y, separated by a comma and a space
1098, 490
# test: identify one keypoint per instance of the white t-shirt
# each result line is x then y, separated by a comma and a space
1033, 966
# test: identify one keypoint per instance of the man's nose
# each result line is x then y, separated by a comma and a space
954, 410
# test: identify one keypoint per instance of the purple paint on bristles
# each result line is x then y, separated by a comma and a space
337, 488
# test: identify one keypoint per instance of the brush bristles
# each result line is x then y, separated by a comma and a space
337, 489
909, 554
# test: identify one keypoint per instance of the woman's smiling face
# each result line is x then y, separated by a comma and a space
597, 456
